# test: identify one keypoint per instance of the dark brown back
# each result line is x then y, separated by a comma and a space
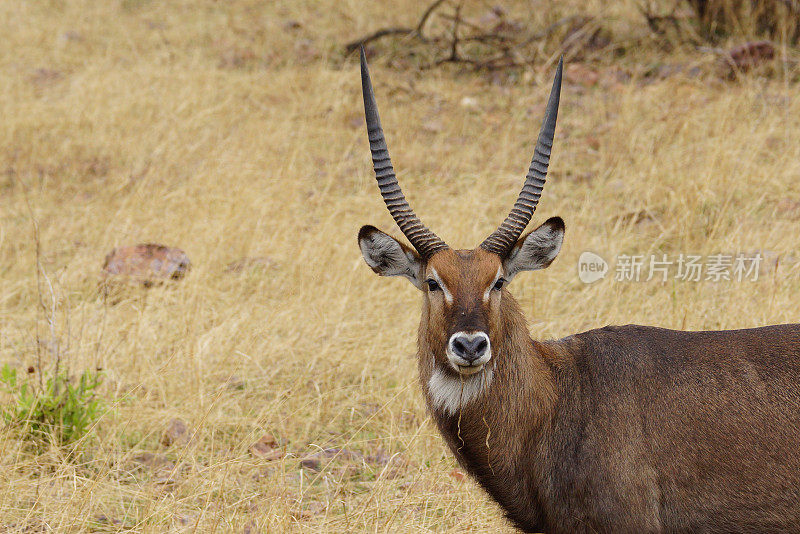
669, 431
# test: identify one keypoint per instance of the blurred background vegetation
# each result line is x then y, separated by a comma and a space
272, 386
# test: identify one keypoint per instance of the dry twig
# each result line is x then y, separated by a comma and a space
397, 30
500, 44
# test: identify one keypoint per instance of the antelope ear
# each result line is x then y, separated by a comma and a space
389, 257
537, 249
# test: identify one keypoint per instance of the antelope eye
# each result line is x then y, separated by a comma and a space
433, 285
499, 284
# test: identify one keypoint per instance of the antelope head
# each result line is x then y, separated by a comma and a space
466, 305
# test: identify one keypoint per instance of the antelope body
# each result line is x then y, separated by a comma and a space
621, 429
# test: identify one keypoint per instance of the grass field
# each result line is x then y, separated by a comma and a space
234, 131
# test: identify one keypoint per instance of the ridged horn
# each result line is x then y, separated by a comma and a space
505, 237
425, 241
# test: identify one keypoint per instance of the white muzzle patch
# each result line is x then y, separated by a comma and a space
461, 355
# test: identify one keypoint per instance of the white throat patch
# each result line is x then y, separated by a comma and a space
449, 393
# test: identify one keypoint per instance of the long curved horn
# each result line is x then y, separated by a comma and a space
425, 241
505, 237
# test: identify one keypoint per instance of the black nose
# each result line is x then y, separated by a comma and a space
469, 348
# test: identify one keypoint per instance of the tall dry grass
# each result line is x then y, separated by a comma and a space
221, 129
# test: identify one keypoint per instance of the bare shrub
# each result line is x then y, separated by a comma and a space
490, 38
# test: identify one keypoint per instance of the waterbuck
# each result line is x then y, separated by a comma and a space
621, 429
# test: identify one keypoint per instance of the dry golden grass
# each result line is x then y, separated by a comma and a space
213, 127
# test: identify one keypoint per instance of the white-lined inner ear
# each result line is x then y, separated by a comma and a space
386, 256
536, 250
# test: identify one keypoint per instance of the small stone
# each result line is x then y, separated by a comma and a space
579, 74
458, 475
274, 455
750, 55
236, 57
44, 76
176, 433
292, 25
309, 511
380, 458
153, 461
789, 208
235, 382
305, 50
165, 481
469, 102
156, 24
312, 464
147, 262
186, 519
266, 447
354, 121
72, 36
432, 126
639, 217
618, 186
105, 520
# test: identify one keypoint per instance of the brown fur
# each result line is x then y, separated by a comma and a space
621, 429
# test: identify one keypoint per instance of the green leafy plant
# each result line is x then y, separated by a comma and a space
58, 410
